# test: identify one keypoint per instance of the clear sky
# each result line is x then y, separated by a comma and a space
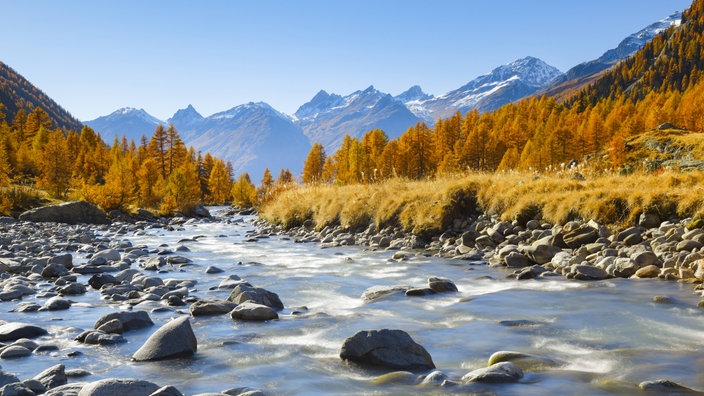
94, 57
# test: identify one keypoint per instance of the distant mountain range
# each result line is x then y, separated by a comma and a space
254, 135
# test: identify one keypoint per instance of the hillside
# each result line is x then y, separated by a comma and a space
16, 93
580, 76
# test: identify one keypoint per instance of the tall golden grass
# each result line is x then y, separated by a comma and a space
430, 207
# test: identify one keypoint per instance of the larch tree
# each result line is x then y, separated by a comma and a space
120, 187
158, 148
219, 183
148, 180
55, 165
182, 189
313, 166
243, 191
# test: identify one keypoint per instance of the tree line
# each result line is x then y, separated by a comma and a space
158, 173
660, 83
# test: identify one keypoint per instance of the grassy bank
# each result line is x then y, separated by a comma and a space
430, 207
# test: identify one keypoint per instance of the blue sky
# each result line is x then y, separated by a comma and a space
94, 57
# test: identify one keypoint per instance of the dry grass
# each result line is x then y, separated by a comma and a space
429, 207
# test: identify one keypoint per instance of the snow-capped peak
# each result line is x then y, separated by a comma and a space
134, 112
530, 70
637, 40
414, 93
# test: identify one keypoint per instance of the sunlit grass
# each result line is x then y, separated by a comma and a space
427, 207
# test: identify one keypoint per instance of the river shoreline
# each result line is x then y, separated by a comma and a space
170, 268
667, 250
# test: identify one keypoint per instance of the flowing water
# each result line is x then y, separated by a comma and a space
609, 335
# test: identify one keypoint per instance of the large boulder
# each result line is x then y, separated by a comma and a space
15, 330
172, 340
53, 376
131, 320
246, 292
118, 386
75, 212
393, 349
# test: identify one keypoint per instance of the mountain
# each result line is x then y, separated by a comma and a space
127, 121
502, 85
252, 136
185, 120
586, 72
327, 118
413, 94
17, 93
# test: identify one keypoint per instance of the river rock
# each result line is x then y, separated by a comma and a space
503, 372
441, 285
663, 386
131, 320
523, 360
419, 292
71, 389
377, 292
14, 351
393, 349
75, 212
57, 303
517, 260
53, 376
98, 337
172, 340
588, 272
15, 330
541, 253
112, 326
579, 236
16, 389
99, 280
250, 311
231, 282
245, 292
211, 307
396, 377
436, 377
7, 378
54, 270
119, 386
649, 220
166, 391
650, 271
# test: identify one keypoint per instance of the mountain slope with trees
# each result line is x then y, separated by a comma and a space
660, 83
16, 93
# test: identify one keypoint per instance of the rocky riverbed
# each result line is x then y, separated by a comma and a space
653, 248
229, 305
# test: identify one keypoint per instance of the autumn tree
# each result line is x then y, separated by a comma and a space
182, 189
55, 165
148, 180
243, 191
158, 148
219, 184
313, 166
119, 191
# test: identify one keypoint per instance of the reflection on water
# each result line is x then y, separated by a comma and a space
610, 334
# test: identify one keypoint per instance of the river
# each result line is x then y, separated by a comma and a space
608, 335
